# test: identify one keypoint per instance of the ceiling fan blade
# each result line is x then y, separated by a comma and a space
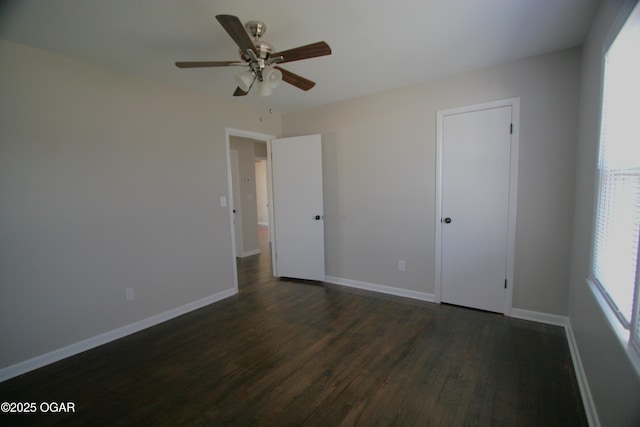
199, 64
304, 52
239, 92
236, 30
296, 80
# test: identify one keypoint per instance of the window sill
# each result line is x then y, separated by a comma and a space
619, 331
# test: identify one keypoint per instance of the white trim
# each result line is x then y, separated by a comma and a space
248, 134
514, 103
272, 221
438, 217
422, 296
583, 384
623, 335
513, 203
250, 253
263, 224
237, 237
106, 337
536, 316
230, 210
609, 315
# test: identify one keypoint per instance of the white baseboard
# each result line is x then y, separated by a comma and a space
98, 340
422, 296
250, 253
263, 224
585, 391
583, 385
536, 316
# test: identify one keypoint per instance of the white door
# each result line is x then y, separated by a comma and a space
237, 217
476, 155
298, 229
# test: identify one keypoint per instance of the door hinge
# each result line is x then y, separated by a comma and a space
505, 283
511, 128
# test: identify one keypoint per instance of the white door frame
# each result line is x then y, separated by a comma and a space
229, 132
514, 103
237, 207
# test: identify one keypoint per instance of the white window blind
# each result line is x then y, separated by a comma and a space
617, 226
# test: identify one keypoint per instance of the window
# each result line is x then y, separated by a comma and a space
617, 223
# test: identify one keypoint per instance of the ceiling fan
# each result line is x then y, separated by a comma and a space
260, 57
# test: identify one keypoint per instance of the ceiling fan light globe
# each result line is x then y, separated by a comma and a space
264, 89
273, 77
245, 80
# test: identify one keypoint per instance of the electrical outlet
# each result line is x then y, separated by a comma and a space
402, 266
129, 294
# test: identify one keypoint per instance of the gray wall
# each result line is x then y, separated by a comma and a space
262, 192
106, 182
614, 384
379, 172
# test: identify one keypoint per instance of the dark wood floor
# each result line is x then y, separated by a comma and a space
287, 353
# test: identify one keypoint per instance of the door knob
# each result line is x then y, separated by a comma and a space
317, 217
447, 220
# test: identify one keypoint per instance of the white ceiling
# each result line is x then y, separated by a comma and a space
377, 44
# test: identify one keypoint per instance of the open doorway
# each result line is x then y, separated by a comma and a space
250, 195
246, 185
303, 262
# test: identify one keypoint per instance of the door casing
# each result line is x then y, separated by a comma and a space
513, 184
252, 135
236, 204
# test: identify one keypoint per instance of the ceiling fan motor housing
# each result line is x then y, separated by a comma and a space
264, 50
256, 29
